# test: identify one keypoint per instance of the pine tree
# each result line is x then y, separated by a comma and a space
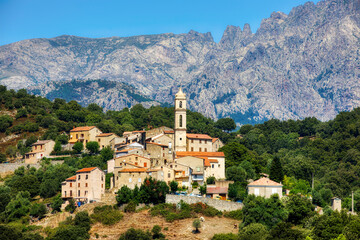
276, 170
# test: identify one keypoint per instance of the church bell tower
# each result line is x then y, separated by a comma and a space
180, 121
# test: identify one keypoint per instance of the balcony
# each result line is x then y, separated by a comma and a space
198, 177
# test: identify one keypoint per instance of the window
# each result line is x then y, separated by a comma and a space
180, 121
192, 140
70, 184
163, 154
192, 149
200, 141
102, 146
70, 193
86, 193
145, 164
136, 158
205, 149
180, 104
78, 184
169, 175
205, 141
86, 184
86, 177
102, 185
180, 139
99, 140
77, 135
136, 163
274, 190
102, 177
212, 165
65, 193
139, 180
257, 192
79, 193
199, 149
130, 180
79, 177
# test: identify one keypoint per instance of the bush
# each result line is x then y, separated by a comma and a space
225, 236
130, 207
56, 203
237, 214
38, 210
21, 113
210, 180
78, 147
106, 215
71, 206
254, 231
196, 224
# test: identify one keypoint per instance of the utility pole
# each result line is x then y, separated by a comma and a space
352, 202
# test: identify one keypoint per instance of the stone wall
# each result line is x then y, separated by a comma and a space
8, 168
221, 205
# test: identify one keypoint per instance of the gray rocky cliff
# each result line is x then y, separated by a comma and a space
302, 64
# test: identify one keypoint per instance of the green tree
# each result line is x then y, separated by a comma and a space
82, 220
236, 174
78, 147
135, 234
11, 151
48, 188
235, 153
62, 138
107, 153
93, 147
18, 207
352, 230
276, 170
156, 233
268, 211
203, 189
210, 180
174, 186
21, 113
57, 146
196, 224
5, 122
71, 206
226, 124
5, 197
56, 203
123, 195
38, 210
254, 231
299, 208
284, 231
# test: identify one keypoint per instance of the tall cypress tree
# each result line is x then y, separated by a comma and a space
276, 170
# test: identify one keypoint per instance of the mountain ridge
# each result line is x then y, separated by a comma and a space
295, 65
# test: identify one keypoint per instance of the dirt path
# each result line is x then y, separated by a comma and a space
181, 229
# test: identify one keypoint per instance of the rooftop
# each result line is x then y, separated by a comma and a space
214, 139
162, 145
198, 136
41, 142
71, 178
125, 150
212, 190
200, 154
86, 169
80, 129
105, 134
264, 182
134, 170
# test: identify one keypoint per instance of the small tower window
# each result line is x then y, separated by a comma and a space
180, 121
180, 104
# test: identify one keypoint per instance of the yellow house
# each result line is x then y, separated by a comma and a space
84, 134
107, 139
39, 150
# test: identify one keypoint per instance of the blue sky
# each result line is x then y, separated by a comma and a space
24, 19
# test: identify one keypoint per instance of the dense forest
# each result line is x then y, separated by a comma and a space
314, 160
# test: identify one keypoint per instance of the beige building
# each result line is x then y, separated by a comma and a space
218, 190
182, 174
39, 150
156, 131
336, 204
109, 139
213, 163
120, 162
216, 144
84, 134
87, 185
196, 165
159, 153
265, 187
127, 151
199, 143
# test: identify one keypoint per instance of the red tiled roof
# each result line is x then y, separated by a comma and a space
198, 136
134, 170
264, 182
213, 160
79, 129
214, 139
200, 154
105, 134
138, 131
86, 169
162, 145
206, 162
212, 190
71, 178
168, 131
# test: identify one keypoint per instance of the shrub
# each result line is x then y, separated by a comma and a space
106, 215
196, 224
130, 207
135, 234
71, 206
225, 236
254, 231
237, 214
210, 180
38, 210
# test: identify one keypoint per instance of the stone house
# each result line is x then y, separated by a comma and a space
39, 150
160, 152
219, 189
128, 151
120, 162
198, 142
84, 134
265, 187
216, 144
182, 174
213, 163
197, 168
156, 131
87, 185
108, 139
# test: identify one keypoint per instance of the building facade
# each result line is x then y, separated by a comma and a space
264, 187
180, 122
39, 150
84, 135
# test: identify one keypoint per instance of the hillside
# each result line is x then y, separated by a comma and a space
302, 64
109, 95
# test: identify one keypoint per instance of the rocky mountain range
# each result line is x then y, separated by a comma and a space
302, 64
